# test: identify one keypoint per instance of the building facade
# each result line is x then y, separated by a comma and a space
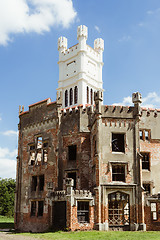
82, 165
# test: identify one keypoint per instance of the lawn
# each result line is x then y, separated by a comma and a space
6, 222
96, 235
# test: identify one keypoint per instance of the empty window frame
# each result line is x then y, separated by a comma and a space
141, 134
66, 98
71, 96
73, 176
40, 208
33, 208
147, 187
83, 212
75, 95
41, 182
34, 184
118, 142
118, 172
72, 152
145, 134
94, 145
39, 142
145, 160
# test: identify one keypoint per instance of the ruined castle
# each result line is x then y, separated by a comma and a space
83, 165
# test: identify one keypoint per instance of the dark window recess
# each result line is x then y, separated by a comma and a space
72, 152
41, 182
118, 172
71, 96
83, 212
147, 187
91, 96
66, 98
145, 161
117, 142
34, 183
45, 144
32, 147
87, 94
33, 208
40, 208
73, 176
75, 94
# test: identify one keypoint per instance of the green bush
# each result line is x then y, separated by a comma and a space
7, 195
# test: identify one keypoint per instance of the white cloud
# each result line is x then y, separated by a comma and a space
10, 133
152, 100
125, 39
25, 16
0, 118
8, 163
97, 28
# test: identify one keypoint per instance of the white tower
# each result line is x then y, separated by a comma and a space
80, 69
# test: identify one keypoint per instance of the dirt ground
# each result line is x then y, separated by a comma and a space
12, 236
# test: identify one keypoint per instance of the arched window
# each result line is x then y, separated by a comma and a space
66, 98
87, 94
71, 96
91, 96
75, 95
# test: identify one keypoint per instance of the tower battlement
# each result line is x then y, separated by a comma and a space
82, 31
62, 44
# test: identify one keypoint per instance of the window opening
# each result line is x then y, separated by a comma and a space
45, 155
34, 183
83, 212
87, 94
32, 158
39, 142
32, 147
146, 133
73, 176
40, 208
75, 95
141, 134
66, 98
33, 208
145, 161
72, 152
91, 96
118, 172
118, 209
39, 156
41, 182
45, 144
118, 142
147, 187
71, 96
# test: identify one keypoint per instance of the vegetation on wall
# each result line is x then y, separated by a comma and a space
7, 195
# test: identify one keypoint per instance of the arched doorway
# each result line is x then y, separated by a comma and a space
118, 210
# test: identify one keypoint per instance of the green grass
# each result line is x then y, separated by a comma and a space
6, 222
96, 235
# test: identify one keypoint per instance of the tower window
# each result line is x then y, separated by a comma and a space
83, 212
71, 96
40, 208
87, 94
34, 183
91, 96
118, 142
33, 208
41, 182
145, 161
118, 172
75, 94
73, 176
66, 98
147, 187
72, 152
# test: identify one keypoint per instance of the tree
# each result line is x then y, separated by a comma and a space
7, 195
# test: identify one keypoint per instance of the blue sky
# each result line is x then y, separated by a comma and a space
29, 30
